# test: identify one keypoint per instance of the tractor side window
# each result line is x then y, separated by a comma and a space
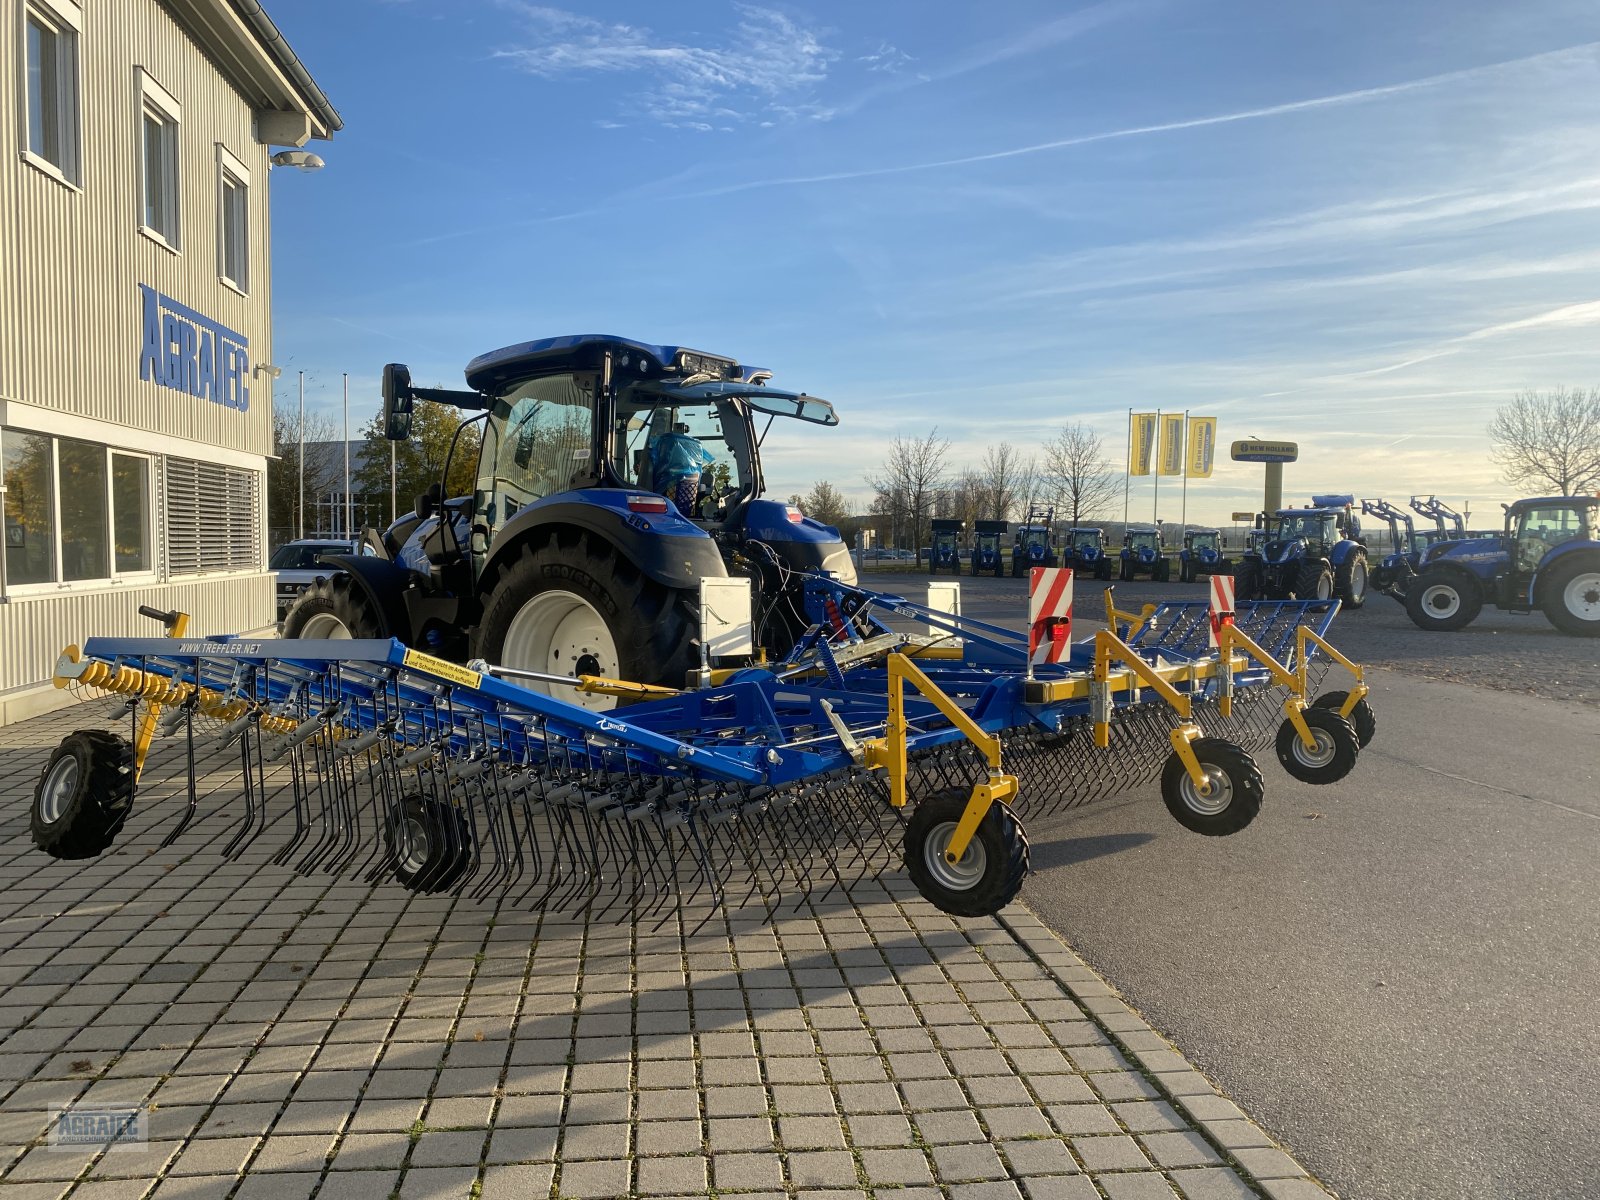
538, 444
1542, 529
683, 452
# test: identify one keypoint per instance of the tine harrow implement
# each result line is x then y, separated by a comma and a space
370, 760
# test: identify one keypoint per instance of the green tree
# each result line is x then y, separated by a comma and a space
419, 463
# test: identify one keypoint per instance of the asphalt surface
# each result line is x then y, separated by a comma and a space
1397, 974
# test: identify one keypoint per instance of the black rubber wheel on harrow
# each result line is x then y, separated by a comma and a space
990, 873
83, 796
1441, 600
570, 604
1335, 753
430, 844
1361, 717
1313, 581
333, 607
1236, 788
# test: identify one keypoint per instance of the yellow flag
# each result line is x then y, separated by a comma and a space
1202, 446
1141, 442
1169, 459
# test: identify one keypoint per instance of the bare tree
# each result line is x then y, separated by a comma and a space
1078, 478
1549, 440
909, 482
1005, 475
324, 467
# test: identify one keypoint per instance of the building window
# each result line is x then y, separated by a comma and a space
213, 518
75, 511
233, 221
51, 86
160, 120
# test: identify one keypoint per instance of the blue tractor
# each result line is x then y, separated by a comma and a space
612, 477
1035, 542
986, 556
1202, 554
1546, 559
945, 553
1311, 553
1087, 554
1141, 555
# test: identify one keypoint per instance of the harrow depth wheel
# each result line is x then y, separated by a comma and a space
1361, 716
1232, 795
1334, 755
430, 844
987, 877
83, 795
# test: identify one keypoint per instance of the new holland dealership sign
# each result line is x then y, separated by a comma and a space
1265, 452
188, 352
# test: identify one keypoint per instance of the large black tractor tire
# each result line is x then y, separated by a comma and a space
1102, 569
1185, 571
334, 607
1313, 581
1125, 570
1352, 581
1247, 580
573, 606
84, 795
1235, 782
1572, 596
1331, 759
987, 877
1442, 601
430, 845
1361, 717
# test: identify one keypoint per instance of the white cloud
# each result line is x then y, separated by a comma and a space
765, 64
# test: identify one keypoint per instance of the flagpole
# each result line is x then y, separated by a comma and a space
1155, 508
349, 503
300, 507
1185, 511
1127, 473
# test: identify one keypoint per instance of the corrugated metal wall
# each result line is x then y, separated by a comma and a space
33, 633
71, 261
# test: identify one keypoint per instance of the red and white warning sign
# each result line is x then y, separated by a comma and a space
1049, 614
1221, 604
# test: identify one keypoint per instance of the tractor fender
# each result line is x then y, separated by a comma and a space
385, 584
1342, 551
665, 547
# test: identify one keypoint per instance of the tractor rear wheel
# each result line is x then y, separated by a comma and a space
1331, 759
1572, 596
1233, 791
573, 606
84, 795
1441, 601
1350, 581
988, 875
1361, 717
333, 608
1313, 581
1125, 571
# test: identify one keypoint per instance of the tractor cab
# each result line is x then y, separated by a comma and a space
945, 553
986, 547
1145, 544
1539, 528
1205, 544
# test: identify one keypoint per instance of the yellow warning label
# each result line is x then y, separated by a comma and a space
427, 663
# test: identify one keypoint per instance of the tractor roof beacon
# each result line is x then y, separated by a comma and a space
1547, 558
1311, 553
613, 476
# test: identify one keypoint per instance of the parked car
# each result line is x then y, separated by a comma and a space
299, 562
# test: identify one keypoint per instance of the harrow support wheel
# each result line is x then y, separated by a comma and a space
987, 877
1361, 716
84, 795
1331, 759
430, 844
1233, 783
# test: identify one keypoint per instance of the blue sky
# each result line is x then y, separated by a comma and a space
1359, 225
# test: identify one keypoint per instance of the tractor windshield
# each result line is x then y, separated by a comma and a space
1313, 526
1084, 539
1144, 539
1203, 541
1541, 529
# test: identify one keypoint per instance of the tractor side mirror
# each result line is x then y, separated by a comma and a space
397, 402
428, 501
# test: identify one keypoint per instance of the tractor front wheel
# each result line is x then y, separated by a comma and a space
1231, 797
1331, 759
1351, 580
1572, 597
1314, 581
1441, 601
575, 607
83, 796
1364, 720
333, 608
986, 877
1247, 580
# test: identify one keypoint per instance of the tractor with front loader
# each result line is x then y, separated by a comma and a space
1406, 545
1547, 559
945, 552
1311, 553
1087, 553
1203, 554
986, 547
1035, 542
613, 477
1142, 555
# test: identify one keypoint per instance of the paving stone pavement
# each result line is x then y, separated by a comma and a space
299, 1036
